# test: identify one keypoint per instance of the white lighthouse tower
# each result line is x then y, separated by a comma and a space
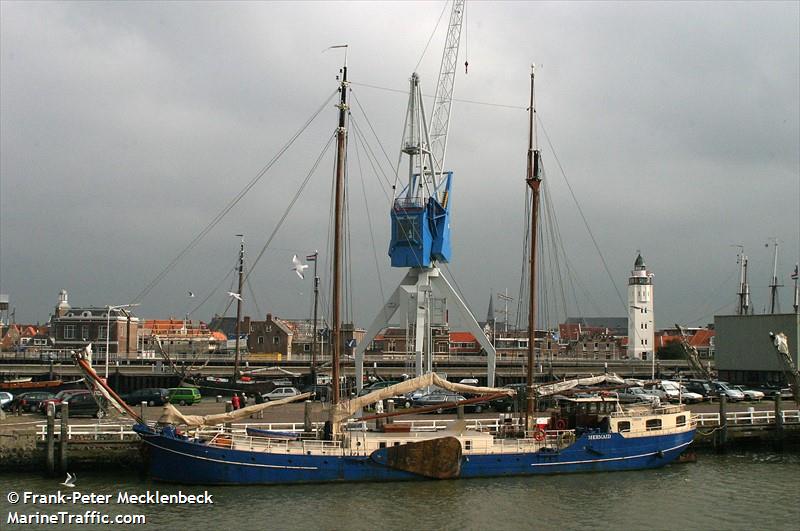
641, 332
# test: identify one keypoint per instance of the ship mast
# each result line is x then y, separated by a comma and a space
341, 144
239, 309
534, 181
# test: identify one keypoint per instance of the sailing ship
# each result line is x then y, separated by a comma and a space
589, 433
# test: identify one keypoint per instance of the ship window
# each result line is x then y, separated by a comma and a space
382, 444
680, 421
623, 425
653, 424
467, 445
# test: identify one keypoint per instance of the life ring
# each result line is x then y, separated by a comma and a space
561, 424
538, 435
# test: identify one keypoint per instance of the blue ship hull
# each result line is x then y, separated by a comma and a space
179, 460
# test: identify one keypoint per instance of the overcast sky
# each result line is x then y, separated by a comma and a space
126, 127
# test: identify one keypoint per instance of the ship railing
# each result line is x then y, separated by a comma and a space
643, 410
750, 417
255, 443
94, 432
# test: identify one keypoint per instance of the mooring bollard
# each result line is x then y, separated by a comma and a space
51, 448
778, 419
219, 399
142, 405
460, 411
64, 438
228, 409
722, 434
307, 417
390, 409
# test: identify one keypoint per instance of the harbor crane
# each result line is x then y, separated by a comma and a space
781, 344
420, 219
693, 357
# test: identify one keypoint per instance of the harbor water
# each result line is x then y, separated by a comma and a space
735, 491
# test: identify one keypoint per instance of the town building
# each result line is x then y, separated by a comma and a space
179, 339
745, 354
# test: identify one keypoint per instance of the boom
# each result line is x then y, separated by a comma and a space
692, 357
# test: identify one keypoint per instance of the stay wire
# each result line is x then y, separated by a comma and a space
459, 100
220, 215
422, 56
213, 291
583, 216
291, 203
369, 223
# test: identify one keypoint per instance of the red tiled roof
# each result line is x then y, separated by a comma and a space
461, 337
702, 338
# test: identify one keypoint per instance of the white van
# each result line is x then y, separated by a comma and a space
672, 389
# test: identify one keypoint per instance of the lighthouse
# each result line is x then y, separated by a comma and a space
641, 332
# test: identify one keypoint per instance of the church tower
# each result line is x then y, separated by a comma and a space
641, 332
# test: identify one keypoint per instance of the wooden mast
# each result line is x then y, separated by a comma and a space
341, 144
239, 310
534, 180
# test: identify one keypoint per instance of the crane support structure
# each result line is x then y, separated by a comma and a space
693, 357
781, 344
420, 219
443, 99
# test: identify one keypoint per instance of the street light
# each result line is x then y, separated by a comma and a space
108, 328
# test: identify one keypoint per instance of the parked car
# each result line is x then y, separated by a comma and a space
772, 390
5, 398
702, 387
512, 403
61, 395
281, 392
82, 404
750, 394
184, 395
154, 396
438, 398
721, 388
637, 394
671, 389
321, 392
690, 397
29, 401
375, 386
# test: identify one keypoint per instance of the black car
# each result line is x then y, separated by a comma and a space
29, 401
322, 393
83, 404
518, 402
438, 398
154, 396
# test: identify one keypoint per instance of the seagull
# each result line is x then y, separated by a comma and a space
191, 294
235, 296
299, 266
70, 481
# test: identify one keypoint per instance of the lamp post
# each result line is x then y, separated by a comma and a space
108, 328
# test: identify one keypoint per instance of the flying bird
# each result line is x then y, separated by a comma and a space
299, 266
191, 294
236, 296
70, 481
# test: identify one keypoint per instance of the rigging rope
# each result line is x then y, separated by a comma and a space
291, 203
153, 283
472, 102
583, 216
444, 8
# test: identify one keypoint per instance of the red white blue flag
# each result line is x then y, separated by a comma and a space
312, 257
